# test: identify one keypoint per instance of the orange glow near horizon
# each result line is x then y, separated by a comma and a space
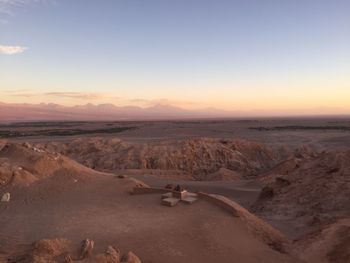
269, 100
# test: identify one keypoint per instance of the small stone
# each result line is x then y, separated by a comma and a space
6, 197
68, 259
27, 145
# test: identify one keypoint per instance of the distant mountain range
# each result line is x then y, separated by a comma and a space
109, 112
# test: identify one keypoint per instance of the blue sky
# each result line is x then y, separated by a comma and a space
237, 55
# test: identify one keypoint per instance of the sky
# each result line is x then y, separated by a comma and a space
246, 55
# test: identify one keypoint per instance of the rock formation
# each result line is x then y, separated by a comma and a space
195, 157
319, 186
63, 251
87, 247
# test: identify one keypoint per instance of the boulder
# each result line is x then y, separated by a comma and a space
130, 257
50, 247
111, 255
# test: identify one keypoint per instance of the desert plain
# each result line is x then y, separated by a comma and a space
267, 190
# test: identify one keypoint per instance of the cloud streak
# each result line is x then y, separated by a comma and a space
11, 50
7, 6
77, 95
164, 101
98, 97
57, 94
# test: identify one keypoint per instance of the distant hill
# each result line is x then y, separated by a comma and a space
109, 112
50, 111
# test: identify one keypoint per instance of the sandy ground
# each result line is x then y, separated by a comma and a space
100, 208
235, 128
103, 210
244, 192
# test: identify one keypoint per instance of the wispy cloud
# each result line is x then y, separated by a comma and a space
8, 6
14, 90
78, 95
22, 93
164, 101
95, 97
11, 50
89, 96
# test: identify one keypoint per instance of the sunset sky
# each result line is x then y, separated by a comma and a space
242, 55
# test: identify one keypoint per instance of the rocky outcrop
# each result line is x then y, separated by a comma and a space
21, 165
43, 251
111, 255
87, 247
50, 248
195, 157
319, 186
63, 251
329, 244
